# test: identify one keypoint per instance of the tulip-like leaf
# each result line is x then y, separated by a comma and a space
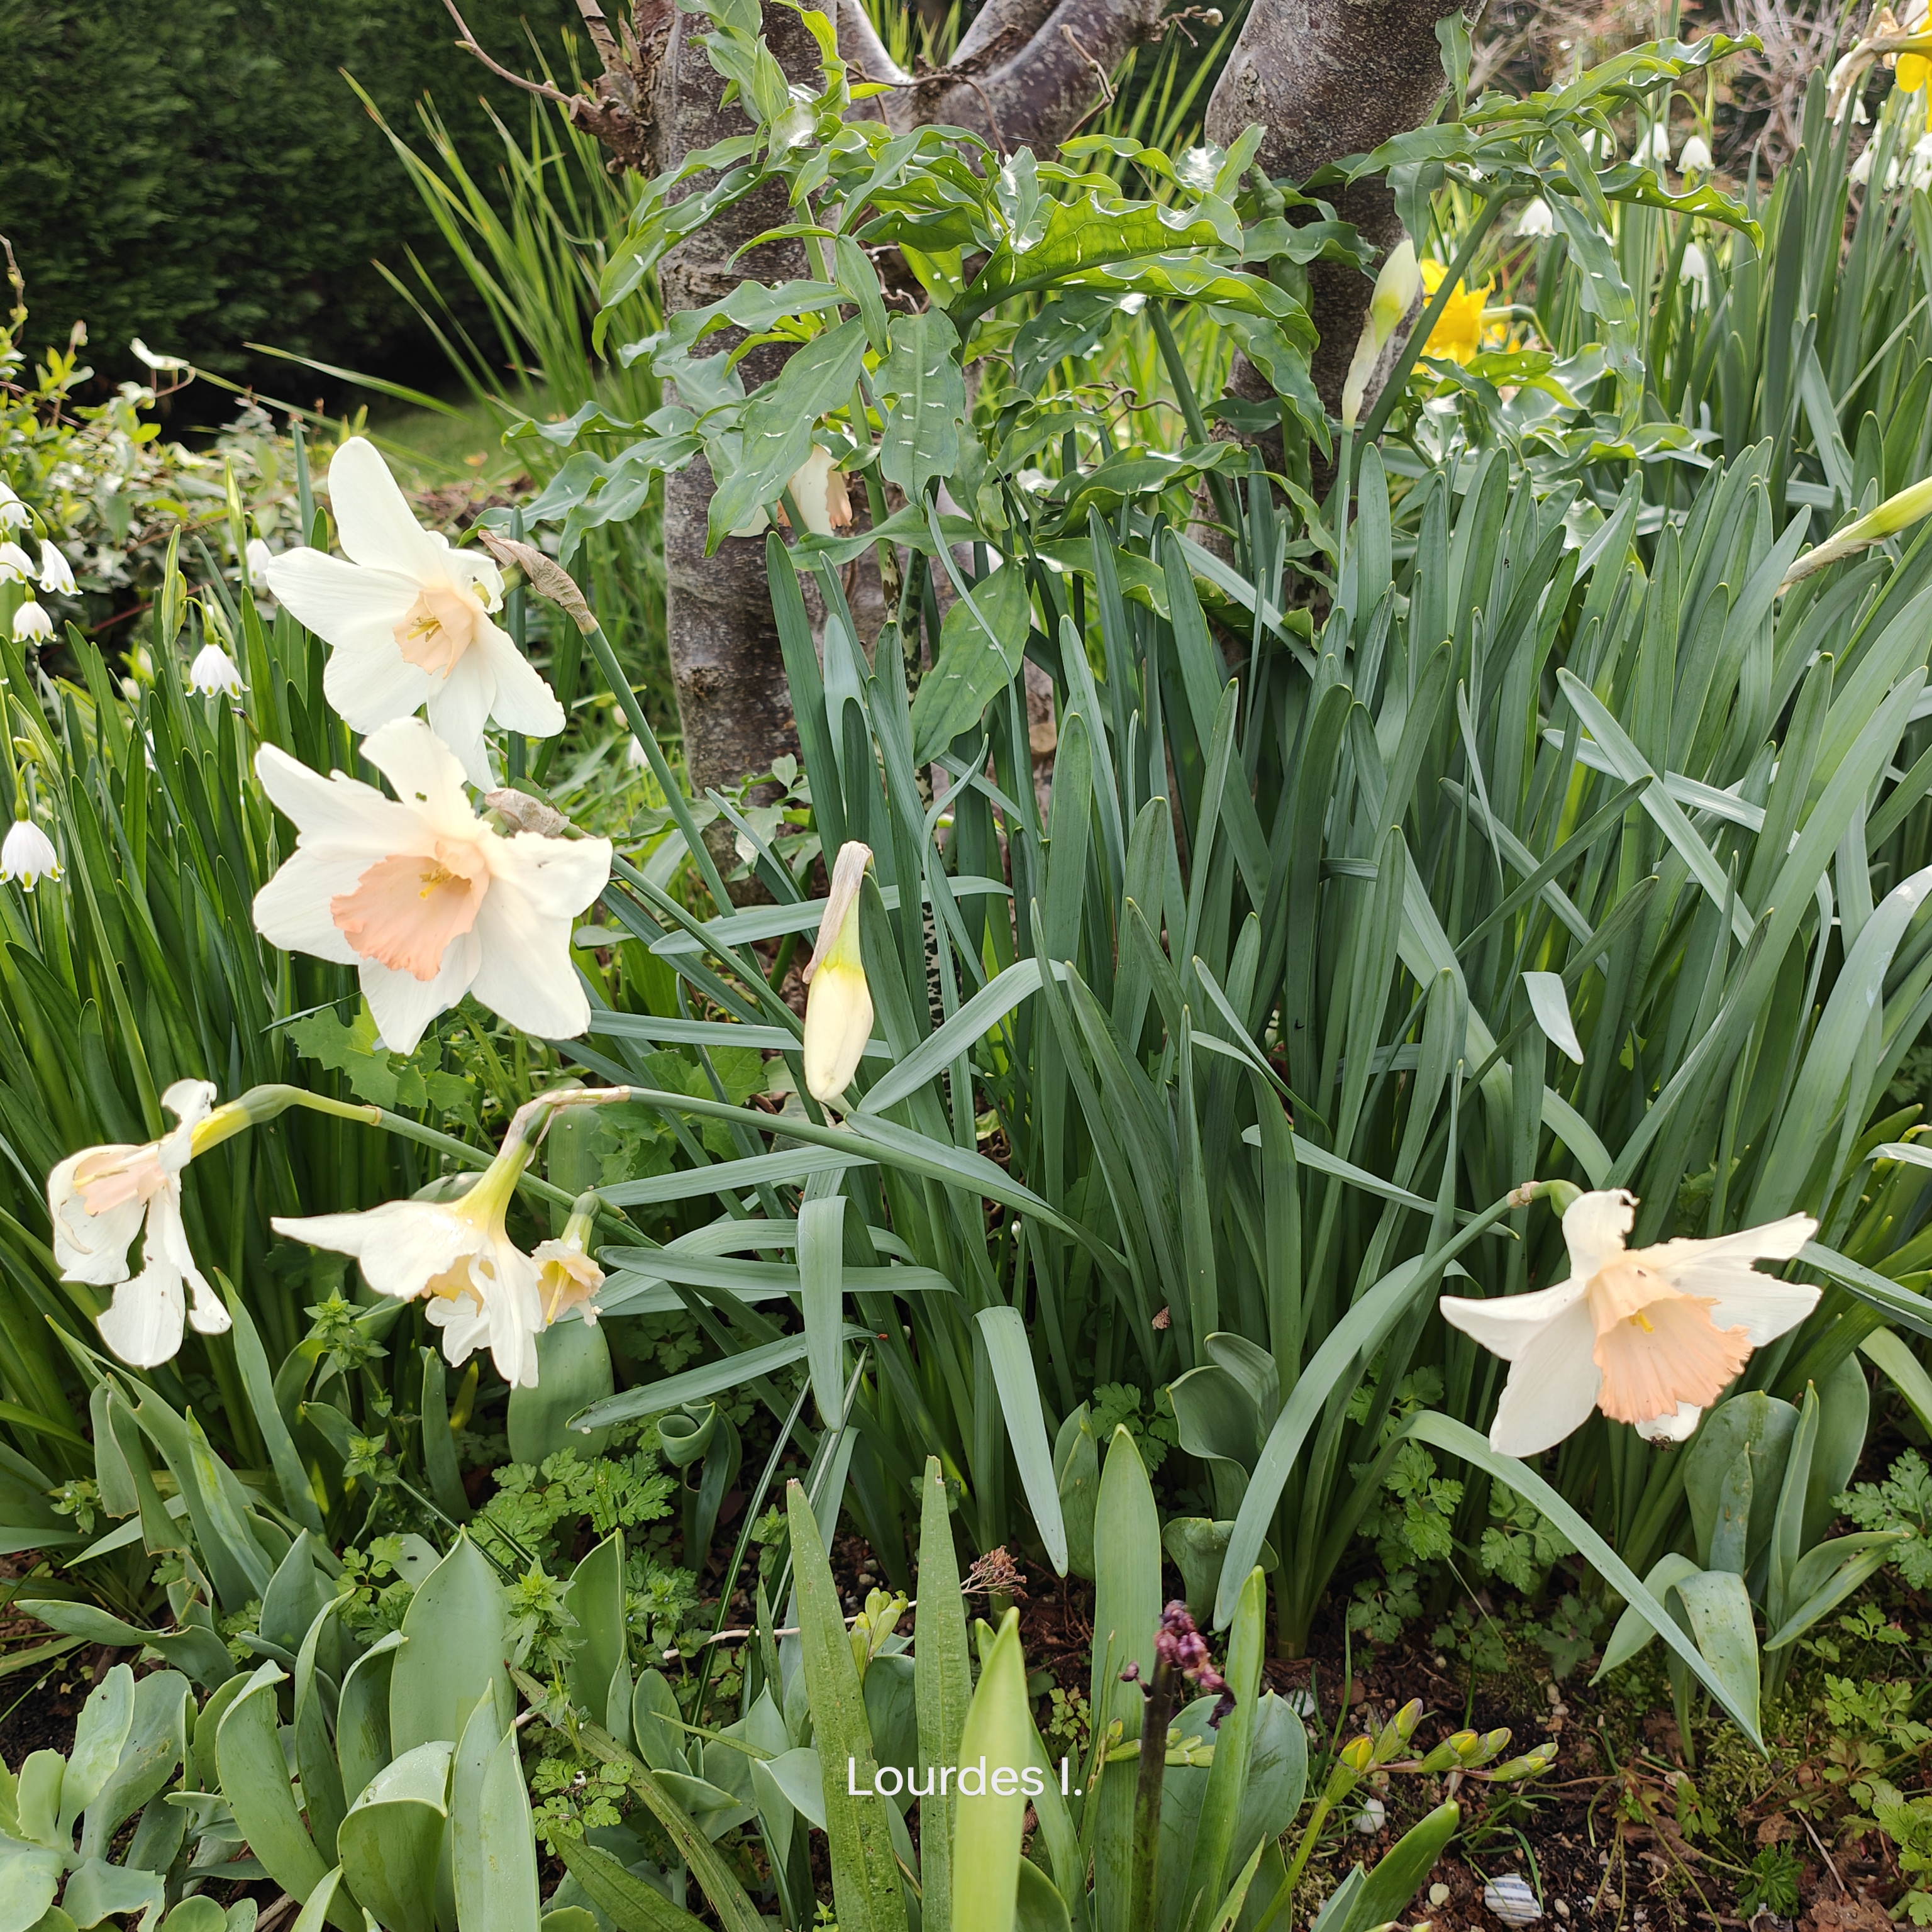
986, 1834
390, 1838
454, 1639
865, 1874
598, 1670
493, 1853
1385, 1894
574, 1371
255, 1780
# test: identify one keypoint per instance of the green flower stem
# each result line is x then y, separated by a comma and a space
1218, 486
1143, 1892
674, 797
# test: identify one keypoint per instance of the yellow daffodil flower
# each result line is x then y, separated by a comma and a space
1458, 333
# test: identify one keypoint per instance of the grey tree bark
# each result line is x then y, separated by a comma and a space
1325, 78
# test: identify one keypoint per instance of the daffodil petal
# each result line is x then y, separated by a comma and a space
144, 1325
1679, 1427
524, 971
425, 772
1593, 1228
373, 521
523, 701
1506, 1324
1552, 1385
404, 1005
459, 707
91, 1248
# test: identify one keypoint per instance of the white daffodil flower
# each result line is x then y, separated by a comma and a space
1397, 287
482, 1288
214, 670
1650, 1335
16, 566
818, 488
101, 1197
27, 856
1536, 219
1694, 158
56, 573
839, 1004
430, 900
409, 618
567, 1276
32, 622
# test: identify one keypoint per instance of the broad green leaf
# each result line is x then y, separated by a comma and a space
598, 1670
821, 1261
574, 1371
493, 1843
455, 1637
1004, 1330
996, 1744
976, 1018
779, 422
632, 1904
865, 1874
981, 641
924, 389
391, 1837
942, 1687
1906, 1373
1400, 1871
255, 1781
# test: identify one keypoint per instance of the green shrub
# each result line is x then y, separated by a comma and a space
201, 174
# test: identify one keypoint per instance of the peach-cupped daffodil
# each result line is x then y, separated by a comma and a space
818, 487
1397, 284
428, 899
1458, 333
567, 1275
409, 618
1650, 1335
483, 1291
839, 1002
101, 1197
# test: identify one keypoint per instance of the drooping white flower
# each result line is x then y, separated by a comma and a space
429, 900
17, 566
409, 618
482, 1288
56, 573
27, 856
1536, 219
1650, 1335
1697, 271
818, 488
567, 1275
256, 560
14, 514
1918, 173
839, 1004
1653, 146
101, 1197
1397, 285
634, 759
31, 621
214, 670
1859, 173
1694, 158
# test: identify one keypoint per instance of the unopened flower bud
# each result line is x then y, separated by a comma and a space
838, 1005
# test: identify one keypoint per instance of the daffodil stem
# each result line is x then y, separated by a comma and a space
674, 797
1178, 373
1398, 381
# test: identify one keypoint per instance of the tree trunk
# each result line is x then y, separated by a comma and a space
1329, 78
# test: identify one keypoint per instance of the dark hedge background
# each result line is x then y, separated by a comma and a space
197, 173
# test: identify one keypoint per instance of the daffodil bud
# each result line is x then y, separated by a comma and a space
1455, 1752
838, 1005
1531, 1764
1397, 287
1890, 516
